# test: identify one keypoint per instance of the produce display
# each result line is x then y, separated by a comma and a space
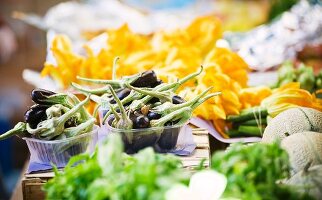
144, 110
154, 93
56, 128
53, 117
171, 55
253, 120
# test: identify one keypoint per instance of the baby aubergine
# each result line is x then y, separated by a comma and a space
146, 79
121, 94
141, 121
39, 95
153, 115
177, 99
35, 114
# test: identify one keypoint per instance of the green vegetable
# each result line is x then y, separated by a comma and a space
252, 171
181, 113
254, 122
54, 125
306, 77
303, 74
138, 99
111, 174
251, 130
248, 114
124, 122
19, 128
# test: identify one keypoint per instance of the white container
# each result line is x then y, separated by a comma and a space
58, 152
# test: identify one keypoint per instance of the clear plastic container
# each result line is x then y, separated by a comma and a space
162, 139
58, 152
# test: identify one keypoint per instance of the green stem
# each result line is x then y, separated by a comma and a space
71, 112
233, 133
187, 78
157, 94
80, 129
253, 122
58, 99
97, 91
84, 113
116, 115
17, 129
120, 105
251, 130
171, 116
250, 114
114, 83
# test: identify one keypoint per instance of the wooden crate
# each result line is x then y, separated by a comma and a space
31, 183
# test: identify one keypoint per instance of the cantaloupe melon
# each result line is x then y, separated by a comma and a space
303, 148
292, 121
308, 180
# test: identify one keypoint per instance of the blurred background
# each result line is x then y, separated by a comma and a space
23, 46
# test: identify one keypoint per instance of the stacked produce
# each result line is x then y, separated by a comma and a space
300, 133
54, 116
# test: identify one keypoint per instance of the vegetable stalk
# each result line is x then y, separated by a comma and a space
19, 128
254, 113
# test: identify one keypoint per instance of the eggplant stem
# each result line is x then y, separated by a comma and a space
194, 100
159, 95
117, 117
83, 111
62, 119
83, 127
118, 101
169, 117
19, 128
101, 90
114, 83
200, 101
187, 78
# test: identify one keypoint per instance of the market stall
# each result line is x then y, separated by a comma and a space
153, 103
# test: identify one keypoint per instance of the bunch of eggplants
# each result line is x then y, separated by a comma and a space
142, 108
53, 116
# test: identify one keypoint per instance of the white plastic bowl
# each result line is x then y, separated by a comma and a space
58, 152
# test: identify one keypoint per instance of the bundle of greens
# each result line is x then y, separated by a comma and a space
54, 116
111, 174
250, 122
303, 74
253, 172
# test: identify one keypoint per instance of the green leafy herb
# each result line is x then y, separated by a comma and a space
253, 171
111, 174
